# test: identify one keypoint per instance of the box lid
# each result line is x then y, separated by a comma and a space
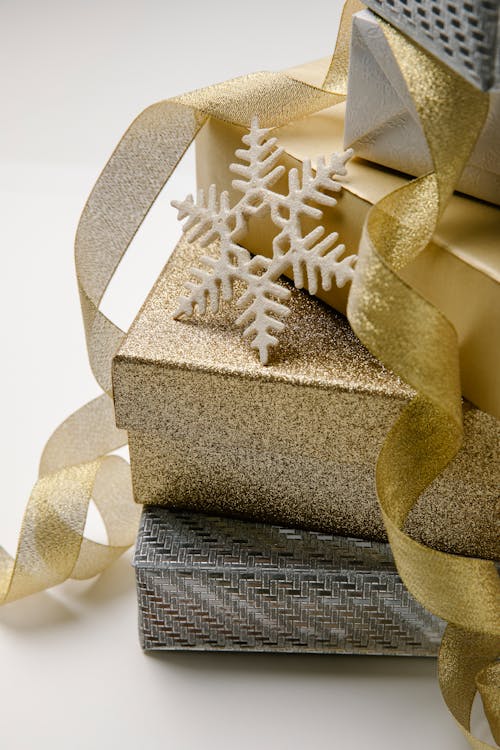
316, 349
462, 35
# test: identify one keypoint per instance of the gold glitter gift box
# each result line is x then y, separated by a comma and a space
212, 430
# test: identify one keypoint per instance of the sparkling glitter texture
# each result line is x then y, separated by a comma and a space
295, 442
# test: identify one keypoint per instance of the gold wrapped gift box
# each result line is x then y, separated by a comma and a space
296, 442
459, 271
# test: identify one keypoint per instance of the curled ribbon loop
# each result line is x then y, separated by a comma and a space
52, 546
403, 330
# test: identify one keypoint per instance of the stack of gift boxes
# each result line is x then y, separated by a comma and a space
261, 529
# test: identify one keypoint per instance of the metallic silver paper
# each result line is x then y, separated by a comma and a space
213, 583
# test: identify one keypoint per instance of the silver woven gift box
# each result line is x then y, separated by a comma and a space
213, 583
464, 34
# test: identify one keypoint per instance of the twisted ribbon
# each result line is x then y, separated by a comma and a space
73, 470
408, 334
415, 340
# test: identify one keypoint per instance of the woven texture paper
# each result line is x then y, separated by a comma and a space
210, 583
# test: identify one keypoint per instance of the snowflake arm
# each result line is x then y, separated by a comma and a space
260, 170
213, 283
310, 256
207, 222
313, 188
320, 260
264, 311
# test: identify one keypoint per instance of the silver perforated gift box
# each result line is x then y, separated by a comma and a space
213, 583
382, 125
462, 33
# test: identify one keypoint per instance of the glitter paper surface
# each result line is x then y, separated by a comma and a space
294, 442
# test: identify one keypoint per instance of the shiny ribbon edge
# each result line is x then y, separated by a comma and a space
140, 166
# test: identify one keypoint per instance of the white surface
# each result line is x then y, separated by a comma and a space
73, 676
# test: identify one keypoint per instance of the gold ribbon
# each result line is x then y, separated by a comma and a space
414, 339
74, 469
399, 327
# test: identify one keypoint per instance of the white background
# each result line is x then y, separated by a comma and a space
74, 74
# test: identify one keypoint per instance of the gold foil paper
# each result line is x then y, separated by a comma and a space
294, 442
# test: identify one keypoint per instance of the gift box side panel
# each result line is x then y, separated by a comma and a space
453, 285
344, 597
298, 455
328, 495
459, 511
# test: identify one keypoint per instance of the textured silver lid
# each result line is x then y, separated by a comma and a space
463, 34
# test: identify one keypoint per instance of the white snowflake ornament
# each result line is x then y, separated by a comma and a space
310, 257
